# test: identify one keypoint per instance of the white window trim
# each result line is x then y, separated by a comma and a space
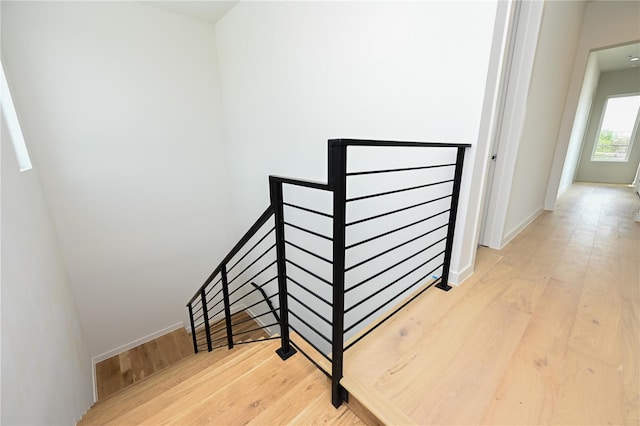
632, 137
13, 124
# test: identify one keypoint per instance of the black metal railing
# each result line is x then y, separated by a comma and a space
334, 261
304, 273
229, 307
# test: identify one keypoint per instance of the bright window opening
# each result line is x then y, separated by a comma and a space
617, 129
13, 125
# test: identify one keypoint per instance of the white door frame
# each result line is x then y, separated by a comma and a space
511, 123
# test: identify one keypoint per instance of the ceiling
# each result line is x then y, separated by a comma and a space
210, 11
618, 58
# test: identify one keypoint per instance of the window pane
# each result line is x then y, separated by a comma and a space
13, 125
616, 130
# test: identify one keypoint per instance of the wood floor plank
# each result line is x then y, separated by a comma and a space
629, 252
169, 347
127, 399
125, 368
597, 328
295, 400
102, 375
469, 371
589, 393
420, 339
158, 360
143, 364
239, 400
575, 273
528, 389
321, 412
139, 363
400, 333
175, 400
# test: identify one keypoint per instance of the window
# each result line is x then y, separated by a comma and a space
13, 125
617, 128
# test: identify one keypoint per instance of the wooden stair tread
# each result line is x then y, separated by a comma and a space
186, 364
371, 405
139, 363
192, 389
250, 385
139, 393
250, 389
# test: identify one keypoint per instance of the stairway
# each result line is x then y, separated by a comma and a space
249, 384
136, 364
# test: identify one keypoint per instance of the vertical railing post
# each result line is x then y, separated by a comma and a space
193, 329
275, 191
205, 314
338, 184
227, 306
455, 196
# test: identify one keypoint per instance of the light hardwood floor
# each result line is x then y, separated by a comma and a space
249, 384
129, 367
546, 331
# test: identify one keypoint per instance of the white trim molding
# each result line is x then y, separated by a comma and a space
513, 121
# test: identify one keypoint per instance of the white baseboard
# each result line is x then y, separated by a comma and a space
149, 337
511, 235
457, 277
95, 382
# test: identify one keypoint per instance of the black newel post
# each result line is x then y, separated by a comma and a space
338, 182
275, 189
455, 196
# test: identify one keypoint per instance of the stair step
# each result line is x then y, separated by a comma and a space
250, 385
191, 390
239, 393
372, 407
141, 392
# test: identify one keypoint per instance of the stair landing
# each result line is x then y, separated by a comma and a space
249, 385
544, 332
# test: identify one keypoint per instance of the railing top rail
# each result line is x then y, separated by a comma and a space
371, 142
301, 182
317, 185
246, 237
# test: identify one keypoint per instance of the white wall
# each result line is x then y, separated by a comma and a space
557, 42
594, 35
587, 93
610, 84
298, 73
46, 368
120, 104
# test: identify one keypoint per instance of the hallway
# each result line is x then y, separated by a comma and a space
545, 331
